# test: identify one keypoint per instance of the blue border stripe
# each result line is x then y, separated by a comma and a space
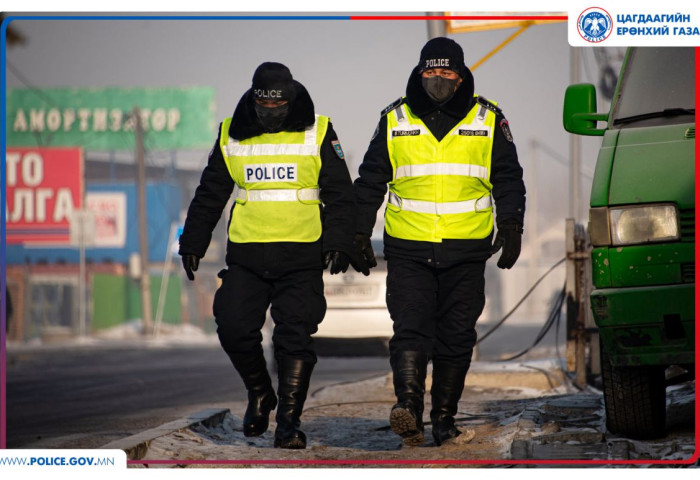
190, 17
3, 320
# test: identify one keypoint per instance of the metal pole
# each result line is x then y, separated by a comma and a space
436, 28
574, 148
532, 212
143, 226
571, 300
165, 277
81, 279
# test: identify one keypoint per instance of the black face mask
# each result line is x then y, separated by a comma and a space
438, 88
272, 118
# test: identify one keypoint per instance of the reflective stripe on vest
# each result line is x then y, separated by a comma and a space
463, 169
440, 189
419, 206
309, 147
276, 189
242, 195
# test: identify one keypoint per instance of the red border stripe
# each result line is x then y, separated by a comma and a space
460, 17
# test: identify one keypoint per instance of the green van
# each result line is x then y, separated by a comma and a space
642, 230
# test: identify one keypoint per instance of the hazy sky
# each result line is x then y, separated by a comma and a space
352, 69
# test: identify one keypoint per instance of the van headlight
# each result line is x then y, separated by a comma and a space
633, 225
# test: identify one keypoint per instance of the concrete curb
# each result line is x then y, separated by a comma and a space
136, 446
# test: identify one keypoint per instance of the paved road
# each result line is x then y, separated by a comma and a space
87, 397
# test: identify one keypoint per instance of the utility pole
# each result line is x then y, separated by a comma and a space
146, 311
532, 212
577, 303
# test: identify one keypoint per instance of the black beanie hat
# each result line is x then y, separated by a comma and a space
273, 81
442, 52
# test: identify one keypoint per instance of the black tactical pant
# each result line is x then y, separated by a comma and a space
298, 306
435, 310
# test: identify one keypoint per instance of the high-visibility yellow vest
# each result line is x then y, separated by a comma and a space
276, 192
440, 190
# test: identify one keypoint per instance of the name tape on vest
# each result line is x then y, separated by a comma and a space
270, 172
405, 133
474, 133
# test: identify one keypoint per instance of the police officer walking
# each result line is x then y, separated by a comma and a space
292, 216
445, 153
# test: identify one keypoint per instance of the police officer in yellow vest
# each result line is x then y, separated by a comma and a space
292, 216
445, 153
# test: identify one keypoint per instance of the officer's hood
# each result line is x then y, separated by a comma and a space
421, 104
245, 124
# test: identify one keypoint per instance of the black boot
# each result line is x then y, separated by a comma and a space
294, 377
406, 420
261, 395
448, 384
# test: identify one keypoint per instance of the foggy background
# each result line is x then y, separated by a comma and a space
352, 69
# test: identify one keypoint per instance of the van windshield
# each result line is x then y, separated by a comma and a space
658, 88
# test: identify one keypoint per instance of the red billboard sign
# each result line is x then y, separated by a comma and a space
44, 187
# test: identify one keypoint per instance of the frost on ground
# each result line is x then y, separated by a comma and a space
351, 422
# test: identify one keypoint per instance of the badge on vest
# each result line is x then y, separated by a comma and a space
405, 133
270, 172
338, 149
506, 130
473, 133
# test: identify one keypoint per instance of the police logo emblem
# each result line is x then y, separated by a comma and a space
506, 130
594, 24
338, 149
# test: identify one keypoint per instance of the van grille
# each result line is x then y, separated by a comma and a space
688, 272
687, 217
690, 133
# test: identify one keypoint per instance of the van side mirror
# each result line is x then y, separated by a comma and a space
580, 115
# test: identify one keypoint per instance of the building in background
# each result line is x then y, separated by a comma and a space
72, 205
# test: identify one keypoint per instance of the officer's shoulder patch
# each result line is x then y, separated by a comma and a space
338, 149
393, 105
488, 104
506, 130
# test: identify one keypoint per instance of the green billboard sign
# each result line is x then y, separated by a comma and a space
102, 118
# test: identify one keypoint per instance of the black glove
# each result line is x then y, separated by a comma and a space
339, 261
191, 263
509, 237
364, 255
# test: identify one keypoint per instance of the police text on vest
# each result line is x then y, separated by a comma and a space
270, 172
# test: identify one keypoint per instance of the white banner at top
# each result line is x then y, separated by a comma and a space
620, 24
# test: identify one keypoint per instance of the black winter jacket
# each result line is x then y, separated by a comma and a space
337, 207
376, 172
